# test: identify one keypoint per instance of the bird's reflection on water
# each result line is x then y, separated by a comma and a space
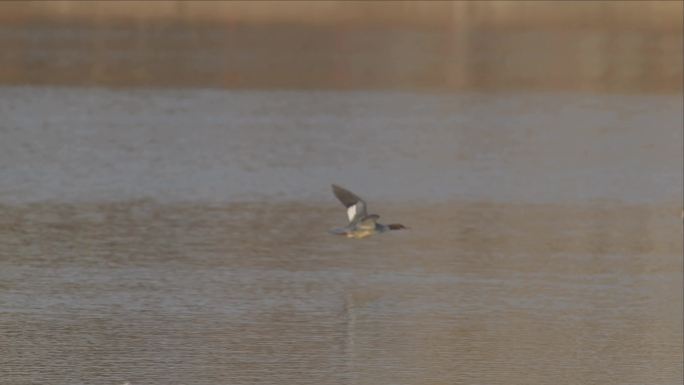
190, 293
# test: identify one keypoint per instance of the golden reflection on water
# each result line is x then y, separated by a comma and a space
260, 293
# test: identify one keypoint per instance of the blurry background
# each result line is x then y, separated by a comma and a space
164, 192
625, 46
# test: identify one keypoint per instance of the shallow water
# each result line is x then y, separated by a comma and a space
179, 237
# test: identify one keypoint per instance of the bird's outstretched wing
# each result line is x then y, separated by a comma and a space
356, 207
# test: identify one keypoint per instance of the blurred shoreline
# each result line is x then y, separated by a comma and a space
324, 57
604, 47
654, 15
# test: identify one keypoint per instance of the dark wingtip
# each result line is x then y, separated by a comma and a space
397, 226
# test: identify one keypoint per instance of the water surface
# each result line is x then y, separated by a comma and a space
179, 237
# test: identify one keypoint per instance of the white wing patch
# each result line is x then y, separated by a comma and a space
351, 212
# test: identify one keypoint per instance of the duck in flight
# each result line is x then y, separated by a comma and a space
360, 225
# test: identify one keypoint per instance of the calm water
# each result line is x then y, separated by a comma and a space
179, 237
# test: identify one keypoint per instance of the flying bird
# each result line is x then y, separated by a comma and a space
361, 224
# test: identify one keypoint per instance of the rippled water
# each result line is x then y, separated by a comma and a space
179, 237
